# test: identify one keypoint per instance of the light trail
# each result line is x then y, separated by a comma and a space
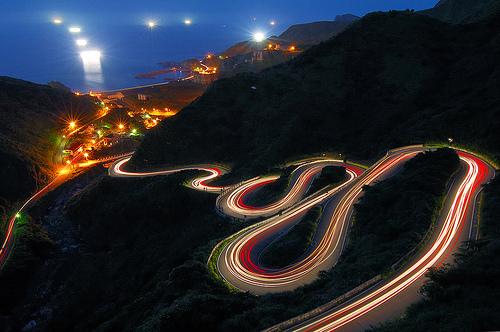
237, 261
238, 266
477, 173
232, 203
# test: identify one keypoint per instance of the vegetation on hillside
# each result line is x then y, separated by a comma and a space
271, 192
463, 11
124, 275
294, 243
390, 79
329, 176
30, 115
463, 297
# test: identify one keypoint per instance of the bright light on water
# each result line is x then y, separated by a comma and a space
81, 42
92, 66
75, 29
57, 20
259, 36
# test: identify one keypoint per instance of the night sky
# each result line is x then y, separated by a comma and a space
217, 11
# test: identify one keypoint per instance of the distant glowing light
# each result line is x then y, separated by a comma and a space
74, 29
72, 125
188, 21
292, 48
18, 215
272, 23
121, 126
92, 65
68, 162
81, 42
86, 155
259, 36
151, 24
57, 20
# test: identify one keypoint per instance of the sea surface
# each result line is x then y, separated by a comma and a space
43, 52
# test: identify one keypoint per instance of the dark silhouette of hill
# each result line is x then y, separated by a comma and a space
390, 79
463, 11
304, 35
316, 32
30, 114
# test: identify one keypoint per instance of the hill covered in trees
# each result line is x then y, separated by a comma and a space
308, 34
30, 115
463, 11
390, 79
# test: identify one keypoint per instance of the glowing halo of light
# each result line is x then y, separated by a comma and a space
81, 42
74, 29
259, 36
92, 68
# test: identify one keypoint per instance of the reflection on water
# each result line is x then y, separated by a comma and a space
92, 66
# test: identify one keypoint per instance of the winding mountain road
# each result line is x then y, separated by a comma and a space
238, 260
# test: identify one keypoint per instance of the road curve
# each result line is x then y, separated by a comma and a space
232, 202
381, 302
238, 261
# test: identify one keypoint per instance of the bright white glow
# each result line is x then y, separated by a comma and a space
81, 42
91, 56
188, 21
272, 22
57, 20
92, 65
151, 24
259, 36
75, 29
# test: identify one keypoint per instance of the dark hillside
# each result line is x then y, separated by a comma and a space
463, 297
316, 32
463, 11
30, 115
391, 79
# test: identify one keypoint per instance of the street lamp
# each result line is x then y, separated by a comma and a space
450, 140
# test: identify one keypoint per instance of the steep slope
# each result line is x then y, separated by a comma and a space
30, 114
463, 11
391, 79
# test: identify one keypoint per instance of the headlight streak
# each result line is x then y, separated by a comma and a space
237, 264
448, 236
237, 257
